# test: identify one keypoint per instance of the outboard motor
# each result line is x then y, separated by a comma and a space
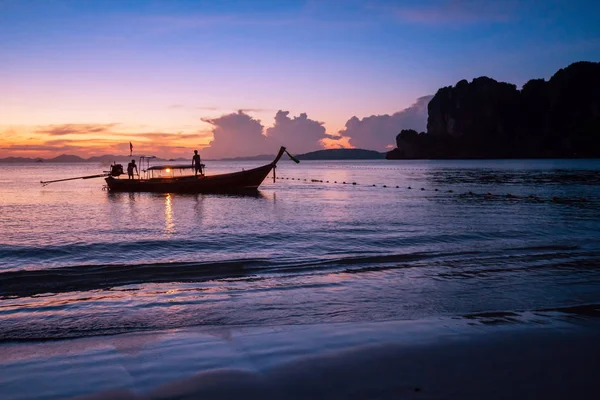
116, 170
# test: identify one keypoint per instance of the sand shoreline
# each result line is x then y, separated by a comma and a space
494, 357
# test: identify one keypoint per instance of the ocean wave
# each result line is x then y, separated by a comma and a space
33, 253
22, 283
453, 264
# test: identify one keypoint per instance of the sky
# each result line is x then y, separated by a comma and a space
238, 78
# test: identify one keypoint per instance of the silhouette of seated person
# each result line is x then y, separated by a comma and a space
130, 167
196, 164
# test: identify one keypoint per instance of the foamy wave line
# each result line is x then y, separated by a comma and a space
22, 283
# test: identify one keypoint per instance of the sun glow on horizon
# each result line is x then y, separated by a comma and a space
87, 78
88, 140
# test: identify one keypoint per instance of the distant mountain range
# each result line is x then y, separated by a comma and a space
68, 158
330, 154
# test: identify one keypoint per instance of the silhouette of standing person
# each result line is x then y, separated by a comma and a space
130, 167
196, 163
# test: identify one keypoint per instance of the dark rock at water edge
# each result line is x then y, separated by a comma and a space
490, 119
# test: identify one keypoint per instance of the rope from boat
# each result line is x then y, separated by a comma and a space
485, 196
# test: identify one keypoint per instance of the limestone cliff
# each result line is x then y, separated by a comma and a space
490, 119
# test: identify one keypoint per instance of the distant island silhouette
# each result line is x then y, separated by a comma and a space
559, 118
342, 154
328, 154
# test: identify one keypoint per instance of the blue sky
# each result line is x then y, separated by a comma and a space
165, 66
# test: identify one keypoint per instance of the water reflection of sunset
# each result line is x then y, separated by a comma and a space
169, 222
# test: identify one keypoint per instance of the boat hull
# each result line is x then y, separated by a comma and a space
236, 182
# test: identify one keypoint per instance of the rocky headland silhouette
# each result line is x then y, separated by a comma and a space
558, 118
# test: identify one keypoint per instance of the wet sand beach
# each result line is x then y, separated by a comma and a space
550, 355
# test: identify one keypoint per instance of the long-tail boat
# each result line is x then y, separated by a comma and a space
167, 182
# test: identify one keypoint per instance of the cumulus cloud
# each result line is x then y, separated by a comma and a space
336, 142
255, 110
237, 135
165, 136
456, 11
208, 108
378, 132
107, 131
299, 134
229, 109
75, 129
41, 148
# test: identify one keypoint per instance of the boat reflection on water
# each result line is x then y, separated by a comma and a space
171, 213
119, 197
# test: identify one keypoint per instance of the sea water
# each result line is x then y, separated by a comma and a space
326, 242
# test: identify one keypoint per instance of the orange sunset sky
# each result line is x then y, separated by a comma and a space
238, 78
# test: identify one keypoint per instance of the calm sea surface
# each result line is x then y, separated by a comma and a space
482, 236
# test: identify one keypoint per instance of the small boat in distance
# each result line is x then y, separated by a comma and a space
167, 182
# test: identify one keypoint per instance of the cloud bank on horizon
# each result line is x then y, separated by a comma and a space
237, 134
378, 132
